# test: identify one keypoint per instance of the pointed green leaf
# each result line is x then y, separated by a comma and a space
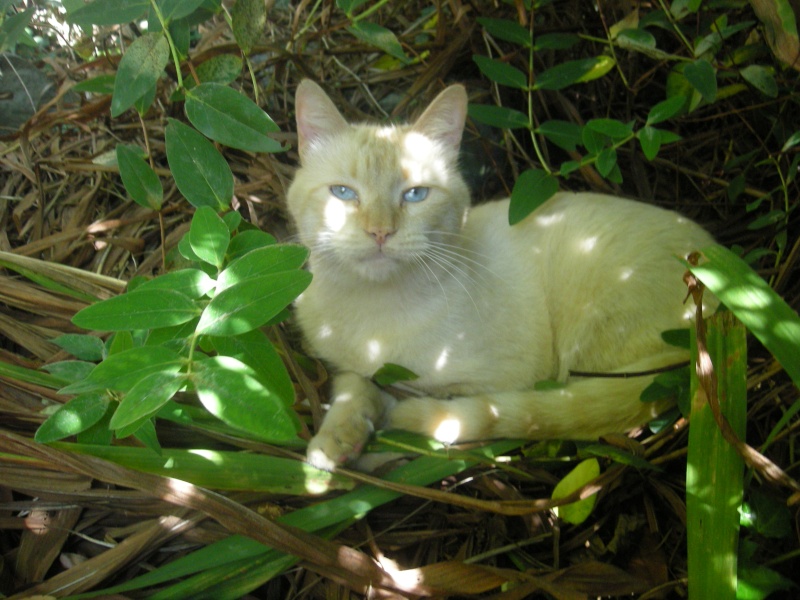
498, 116
139, 70
577, 512
145, 398
192, 283
251, 303
391, 373
245, 241
81, 346
125, 369
201, 173
225, 115
77, 415
172, 10
650, 140
761, 79
573, 71
703, 78
563, 134
13, 27
380, 37
140, 181
556, 41
231, 392
666, 109
501, 72
209, 236
144, 309
606, 161
614, 129
508, 30
248, 19
531, 190
262, 261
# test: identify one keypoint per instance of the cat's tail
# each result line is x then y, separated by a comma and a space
583, 409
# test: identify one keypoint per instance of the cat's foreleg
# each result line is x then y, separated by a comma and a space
358, 407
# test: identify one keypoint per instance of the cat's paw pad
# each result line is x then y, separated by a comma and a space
334, 446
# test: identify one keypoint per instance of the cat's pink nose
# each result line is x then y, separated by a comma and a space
380, 235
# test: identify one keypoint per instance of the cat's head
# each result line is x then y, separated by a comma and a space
377, 200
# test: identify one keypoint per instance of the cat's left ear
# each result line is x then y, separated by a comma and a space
444, 118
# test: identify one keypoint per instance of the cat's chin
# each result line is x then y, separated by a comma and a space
378, 268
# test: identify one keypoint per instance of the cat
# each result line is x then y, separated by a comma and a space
406, 272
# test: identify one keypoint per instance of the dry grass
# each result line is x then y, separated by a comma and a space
71, 523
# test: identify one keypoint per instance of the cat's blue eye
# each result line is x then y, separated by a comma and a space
415, 194
342, 192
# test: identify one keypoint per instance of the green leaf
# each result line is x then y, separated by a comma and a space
139, 70
245, 241
145, 398
102, 84
620, 456
761, 79
77, 415
256, 351
577, 512
380, 37
248, 19
676, 337
501, 72
506, 29
140, 181
177, 9
222, 68
251, 303
81, 346
125, 369
573, 71
765, 314
108, 12
556, 41
192, 283
209, 236
228, 117
650, 141
563, 134
606, 161
145, 309
790, 143
69, 370
348, 6
390, 373
498, 116
262, 261
703, 78
666, 109
231, 392
13, 27
531, 190
614, 129
201, 173
221, 470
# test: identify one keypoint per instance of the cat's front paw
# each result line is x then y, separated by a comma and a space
333, 446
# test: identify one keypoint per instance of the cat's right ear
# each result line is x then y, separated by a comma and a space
317, 116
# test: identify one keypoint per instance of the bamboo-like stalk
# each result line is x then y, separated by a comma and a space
715, 470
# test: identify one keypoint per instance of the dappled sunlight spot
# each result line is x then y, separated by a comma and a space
343, 397
787, 330
441, 362
448, 431
423, 159
494, 410
750, 297
404, 578
373, 350
386, 133
626, 274
548, 220
324, 332
209, 455
586, 245
335, 214
316, 481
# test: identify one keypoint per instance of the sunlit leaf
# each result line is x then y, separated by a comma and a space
145, 398
227, 116
143, 309
209, 236
192, 283
262, 261
577, 512
380, 37
77, 415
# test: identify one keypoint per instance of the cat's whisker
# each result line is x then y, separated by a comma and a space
446, 266
429, 272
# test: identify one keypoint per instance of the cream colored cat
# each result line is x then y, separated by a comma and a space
406, 272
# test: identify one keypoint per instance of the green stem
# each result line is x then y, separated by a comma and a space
531, 123
374, 8
172, 47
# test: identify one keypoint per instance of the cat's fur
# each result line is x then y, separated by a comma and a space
480, 310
